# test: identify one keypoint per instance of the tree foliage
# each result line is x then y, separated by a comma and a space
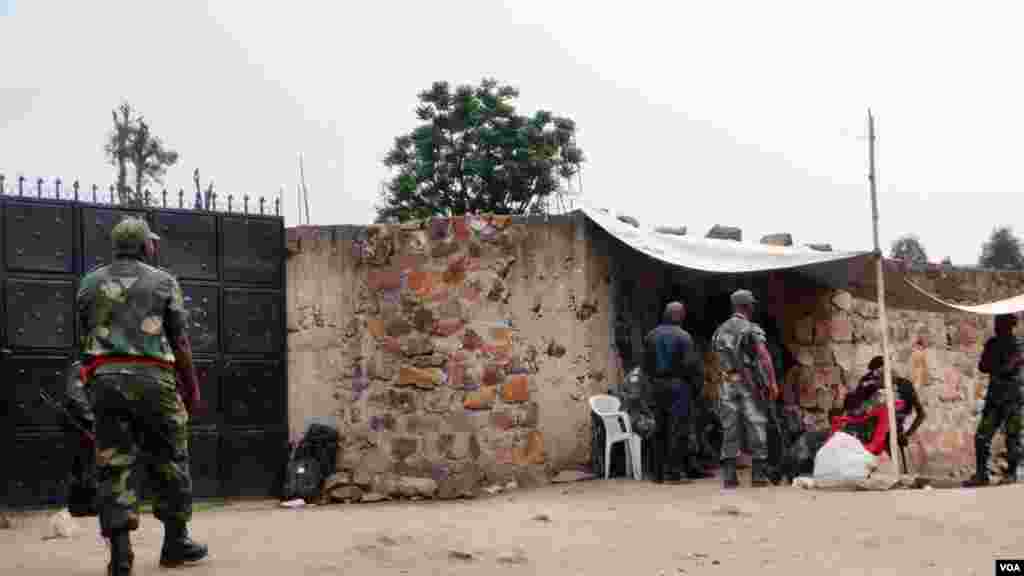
473, 153
909, 249
1002, 251
132, 141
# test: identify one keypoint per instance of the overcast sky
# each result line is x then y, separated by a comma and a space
749, 114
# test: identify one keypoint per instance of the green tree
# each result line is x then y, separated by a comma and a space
132, 141
473, 153
909, 249
1002, 251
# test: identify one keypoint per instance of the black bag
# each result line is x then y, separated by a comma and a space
313, 460
303, 480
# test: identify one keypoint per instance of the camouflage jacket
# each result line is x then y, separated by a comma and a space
130, 309
734, 343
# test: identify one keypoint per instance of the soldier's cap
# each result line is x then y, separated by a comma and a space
743, 298
131, 234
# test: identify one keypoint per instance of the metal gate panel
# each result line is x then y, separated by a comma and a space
252, 393
204, 451
208, 373
37, 470
252, 250
253, 461
97, 223
39, 237
188, 244
40, 313
252, 322
23, 378
203, 305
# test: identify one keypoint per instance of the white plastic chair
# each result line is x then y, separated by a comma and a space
617, 429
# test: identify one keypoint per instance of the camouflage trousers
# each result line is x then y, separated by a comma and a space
1006, 415
138, 414
741, 412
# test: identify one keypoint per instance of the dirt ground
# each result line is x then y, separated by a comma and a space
617, 527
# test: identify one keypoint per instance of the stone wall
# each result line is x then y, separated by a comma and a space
833, 336
456, 354
453, 353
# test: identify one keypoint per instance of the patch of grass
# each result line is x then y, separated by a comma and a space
197, 506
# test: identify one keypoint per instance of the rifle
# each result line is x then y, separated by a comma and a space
52, 403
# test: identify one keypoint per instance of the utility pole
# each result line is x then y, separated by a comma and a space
305, 191
883, 319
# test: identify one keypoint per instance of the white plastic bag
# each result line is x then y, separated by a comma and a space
843, 457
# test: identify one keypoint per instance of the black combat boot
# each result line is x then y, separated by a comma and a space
1011, 472
121, 555
759, 474
178, 548
981, 471
729, 479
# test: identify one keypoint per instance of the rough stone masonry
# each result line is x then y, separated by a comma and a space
450, 351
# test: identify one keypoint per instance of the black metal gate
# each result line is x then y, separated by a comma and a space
231, 267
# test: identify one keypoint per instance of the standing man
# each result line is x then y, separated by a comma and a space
135, 349
669, 359
1001, 360
748, 381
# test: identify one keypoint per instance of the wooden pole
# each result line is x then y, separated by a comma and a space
883, 318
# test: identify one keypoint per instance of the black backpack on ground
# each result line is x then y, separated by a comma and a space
313, 460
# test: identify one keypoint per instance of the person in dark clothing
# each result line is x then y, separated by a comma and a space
871, 383
670, 363
1002, 360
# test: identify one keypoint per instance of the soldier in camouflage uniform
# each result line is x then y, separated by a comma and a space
135, 350
1002, 360
748, 381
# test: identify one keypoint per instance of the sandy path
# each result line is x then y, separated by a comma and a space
617, 527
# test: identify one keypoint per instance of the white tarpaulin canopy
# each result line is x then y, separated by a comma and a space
851, 271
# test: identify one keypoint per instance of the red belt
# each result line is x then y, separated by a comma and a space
87, 370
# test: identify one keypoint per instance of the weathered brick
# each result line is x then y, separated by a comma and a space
492, 375
482, 399
422, 282
392, 345
505, 455
502, 421
420, 377
384, 279
407, 262
532, 452
951, 390
501, 334
375, 326
919, 368
460, 229
456, 374
516, 389
822, 331
841, 331
471, 340
404, 446
447, 326
455, 274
